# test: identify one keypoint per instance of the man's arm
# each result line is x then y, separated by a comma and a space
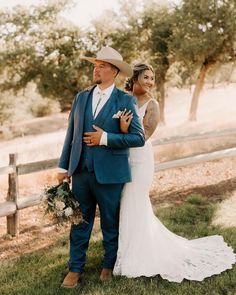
65, 155
135, 136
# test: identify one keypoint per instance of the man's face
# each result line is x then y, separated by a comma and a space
103, 73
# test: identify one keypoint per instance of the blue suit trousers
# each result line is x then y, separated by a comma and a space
90, 193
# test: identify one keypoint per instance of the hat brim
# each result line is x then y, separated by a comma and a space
124, 68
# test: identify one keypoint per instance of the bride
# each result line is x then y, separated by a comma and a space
146, 246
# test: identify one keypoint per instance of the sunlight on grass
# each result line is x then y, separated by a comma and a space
41, 273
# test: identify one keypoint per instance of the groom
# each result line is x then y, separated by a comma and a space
95, 154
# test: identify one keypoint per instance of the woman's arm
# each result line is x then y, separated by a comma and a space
151, 118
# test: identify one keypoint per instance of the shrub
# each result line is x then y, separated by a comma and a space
44, 107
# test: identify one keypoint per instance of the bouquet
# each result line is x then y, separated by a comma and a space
61, 204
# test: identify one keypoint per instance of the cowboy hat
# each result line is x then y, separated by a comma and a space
110, 55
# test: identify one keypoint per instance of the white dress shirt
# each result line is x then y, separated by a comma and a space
100, 97
98, 94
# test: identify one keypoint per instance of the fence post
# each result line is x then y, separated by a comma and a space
12, 196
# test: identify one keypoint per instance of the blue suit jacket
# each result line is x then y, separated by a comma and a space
111, 163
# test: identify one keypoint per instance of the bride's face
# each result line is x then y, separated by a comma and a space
145, 82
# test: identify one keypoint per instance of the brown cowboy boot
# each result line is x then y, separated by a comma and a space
106, 274
71, 280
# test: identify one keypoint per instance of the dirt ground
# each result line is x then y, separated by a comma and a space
42, 139
212, 179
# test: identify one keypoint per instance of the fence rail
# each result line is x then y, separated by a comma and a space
195, 136
196, 159
10, 208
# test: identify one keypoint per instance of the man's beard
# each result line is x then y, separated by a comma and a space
97, 81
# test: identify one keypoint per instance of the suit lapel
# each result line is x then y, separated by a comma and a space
108, 109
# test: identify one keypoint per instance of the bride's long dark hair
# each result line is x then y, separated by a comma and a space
137, 70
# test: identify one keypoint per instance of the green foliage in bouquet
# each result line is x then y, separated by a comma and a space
61, 204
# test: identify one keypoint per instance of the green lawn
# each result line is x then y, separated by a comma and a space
41, 273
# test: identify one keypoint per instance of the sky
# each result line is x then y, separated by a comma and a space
84, 10
81, 14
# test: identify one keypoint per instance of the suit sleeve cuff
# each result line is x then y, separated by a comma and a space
103, 140
61, 170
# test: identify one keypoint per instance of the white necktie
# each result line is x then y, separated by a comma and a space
101, 95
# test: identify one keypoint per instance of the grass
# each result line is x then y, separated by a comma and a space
41, 273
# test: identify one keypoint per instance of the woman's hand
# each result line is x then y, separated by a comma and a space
125, 120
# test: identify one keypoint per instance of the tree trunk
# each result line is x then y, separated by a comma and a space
197, 91
161, 100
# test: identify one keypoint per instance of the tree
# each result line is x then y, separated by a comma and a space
130, 36
158, 24
37, 45
5, 109
204, 34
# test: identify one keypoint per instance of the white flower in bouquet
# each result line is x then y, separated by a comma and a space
62, 205
59, 205
60, 213
68, 211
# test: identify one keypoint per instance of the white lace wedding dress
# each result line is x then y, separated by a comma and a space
147, 248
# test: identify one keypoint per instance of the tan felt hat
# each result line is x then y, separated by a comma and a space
110, 55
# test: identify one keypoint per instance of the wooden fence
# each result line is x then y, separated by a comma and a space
10, 208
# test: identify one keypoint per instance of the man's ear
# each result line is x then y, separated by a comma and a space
116, 72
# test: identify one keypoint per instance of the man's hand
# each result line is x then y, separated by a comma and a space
63, 176
93, 138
